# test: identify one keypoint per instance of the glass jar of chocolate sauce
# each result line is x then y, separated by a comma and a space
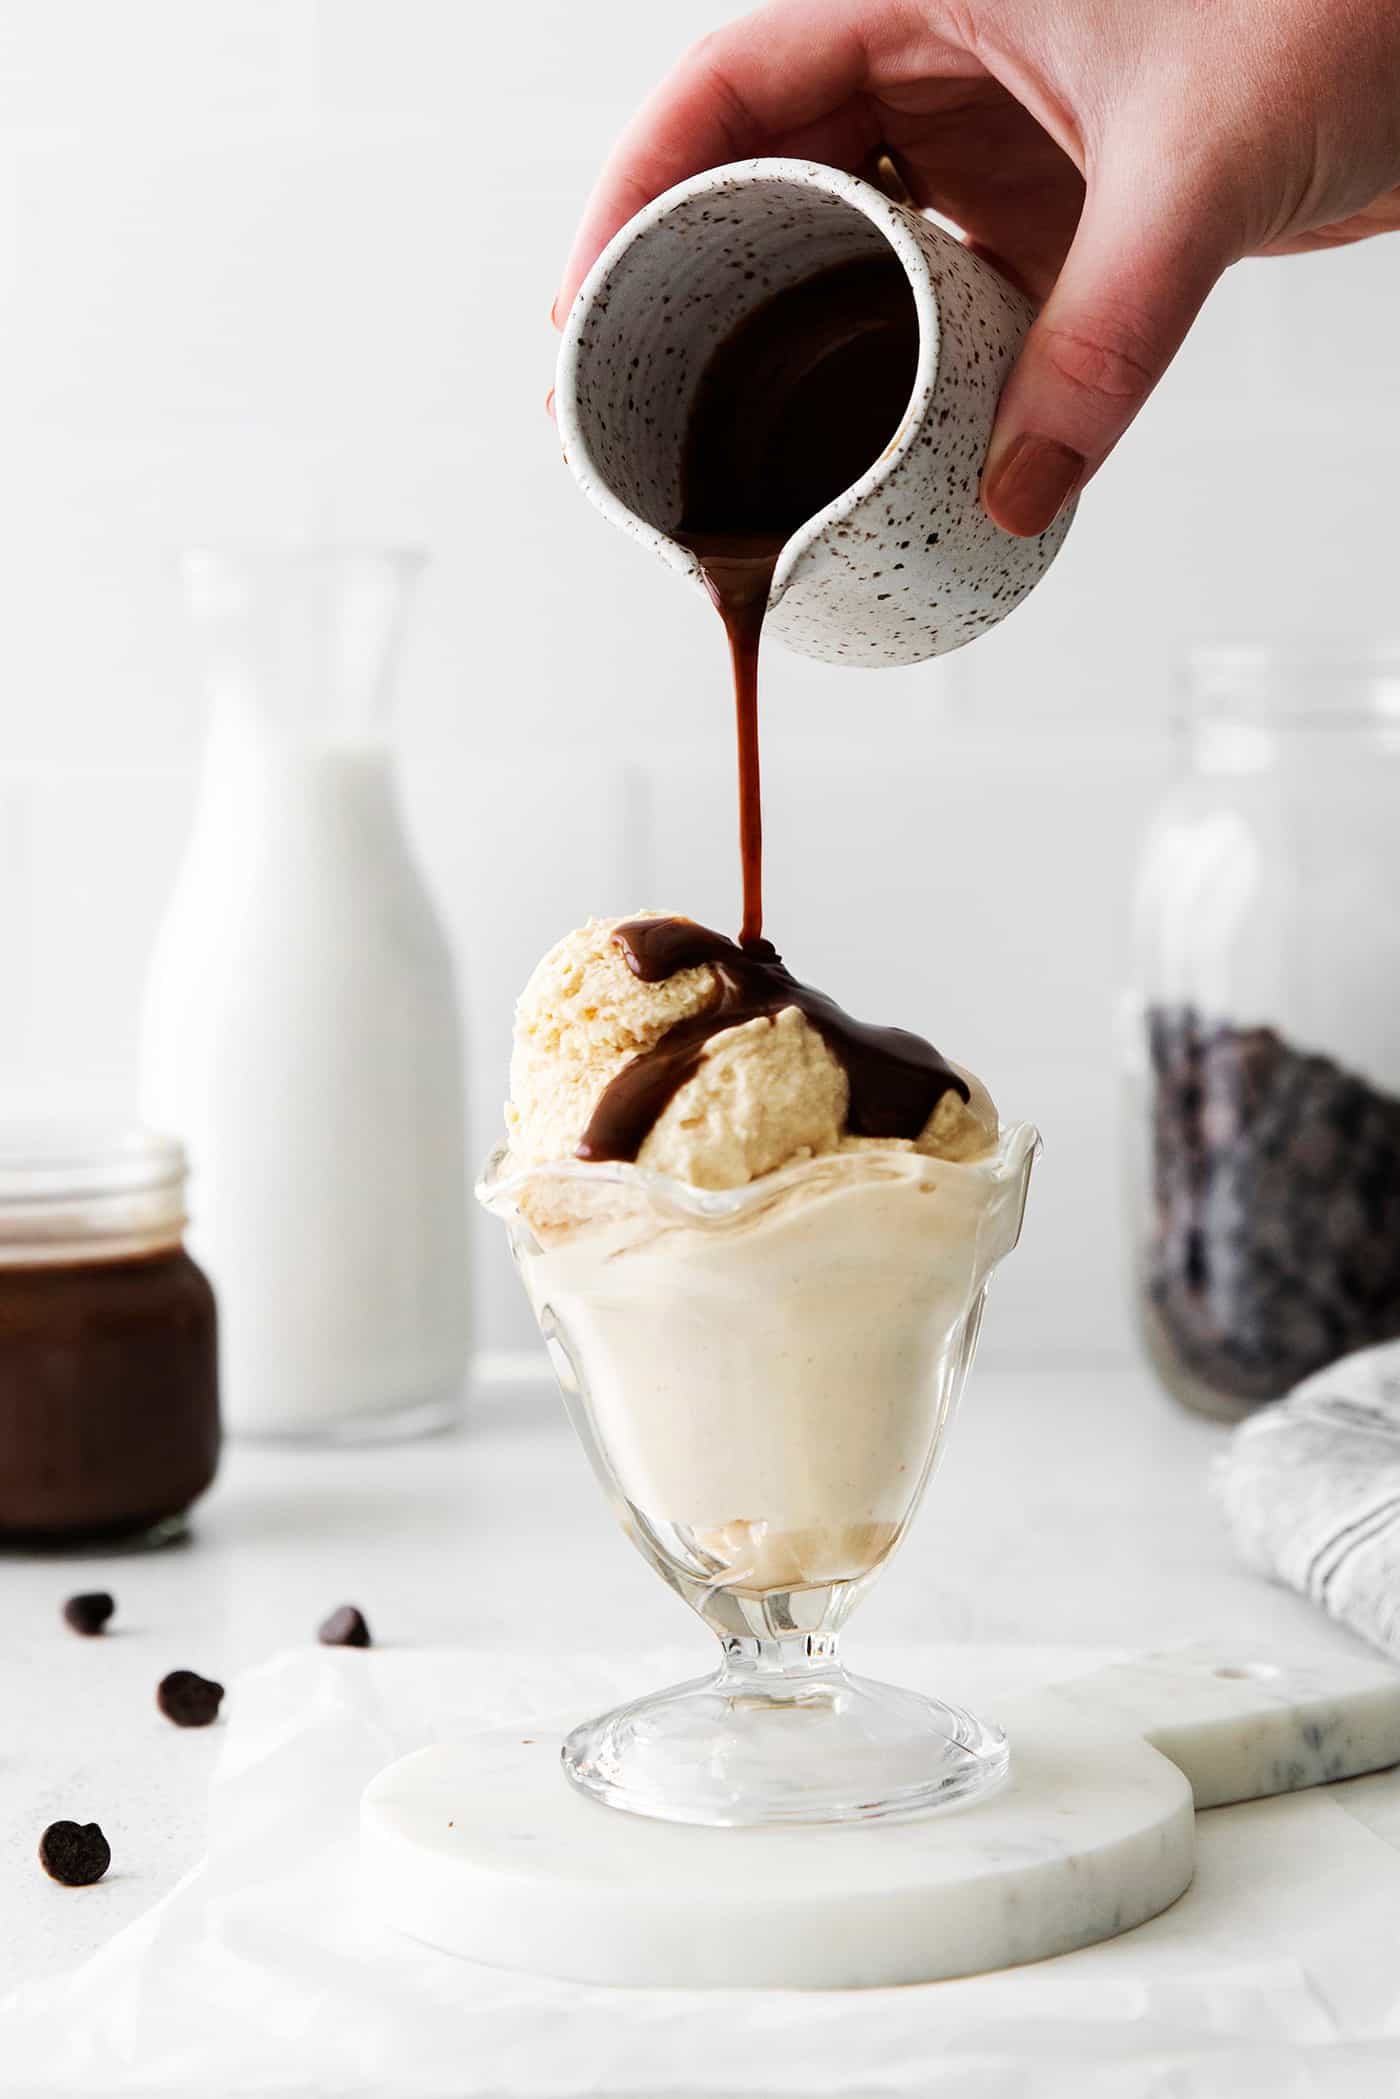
109, 1397
1263, 1036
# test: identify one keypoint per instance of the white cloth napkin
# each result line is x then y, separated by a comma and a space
259, 1977
1311, 1488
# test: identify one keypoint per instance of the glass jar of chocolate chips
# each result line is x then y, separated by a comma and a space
1263, 1034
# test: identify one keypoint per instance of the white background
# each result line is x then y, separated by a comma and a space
269, 266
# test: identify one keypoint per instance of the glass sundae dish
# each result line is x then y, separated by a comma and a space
761, 1311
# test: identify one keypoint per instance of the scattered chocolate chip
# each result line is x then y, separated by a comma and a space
187, 1699
75, 1853
88, 1614
345, 1628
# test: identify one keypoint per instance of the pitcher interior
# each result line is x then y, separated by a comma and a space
672, 295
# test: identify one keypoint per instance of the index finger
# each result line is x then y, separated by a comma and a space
781, 80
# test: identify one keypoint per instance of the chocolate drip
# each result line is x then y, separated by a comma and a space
896, 1079
794, 405
737, 574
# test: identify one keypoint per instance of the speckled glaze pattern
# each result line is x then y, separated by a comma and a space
905, 564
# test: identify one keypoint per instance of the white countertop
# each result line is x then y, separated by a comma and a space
1071, 1510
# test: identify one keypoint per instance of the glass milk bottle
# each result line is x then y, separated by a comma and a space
1264, 1033
301, 1034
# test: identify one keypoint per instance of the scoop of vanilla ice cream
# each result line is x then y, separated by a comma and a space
581, 1017
767, 1092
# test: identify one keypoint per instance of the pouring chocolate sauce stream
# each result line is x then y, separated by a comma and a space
793, 406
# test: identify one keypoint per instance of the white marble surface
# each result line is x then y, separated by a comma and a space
475, 1846
1071, 1510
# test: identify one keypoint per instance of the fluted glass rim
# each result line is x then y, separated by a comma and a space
500, 1184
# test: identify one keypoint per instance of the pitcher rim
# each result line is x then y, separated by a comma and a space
891, 220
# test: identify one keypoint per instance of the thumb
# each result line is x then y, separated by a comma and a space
1130, 288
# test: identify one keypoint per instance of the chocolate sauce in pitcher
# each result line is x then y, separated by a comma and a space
793, 407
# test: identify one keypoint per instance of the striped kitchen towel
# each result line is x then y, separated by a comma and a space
1311, 1489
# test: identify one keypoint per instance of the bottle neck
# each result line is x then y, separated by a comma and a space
264, 795
299, 649
250, 739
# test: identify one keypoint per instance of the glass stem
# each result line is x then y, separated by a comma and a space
780, 1665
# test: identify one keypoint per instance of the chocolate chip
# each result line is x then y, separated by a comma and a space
345, 1628
187, 1699
75, 1853
88, 1613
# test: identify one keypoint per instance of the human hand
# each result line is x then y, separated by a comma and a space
1112, 156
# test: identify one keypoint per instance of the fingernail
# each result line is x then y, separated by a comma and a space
1027, 488
549, 402
554, 310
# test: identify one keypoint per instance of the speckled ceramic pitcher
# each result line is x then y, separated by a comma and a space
905, 564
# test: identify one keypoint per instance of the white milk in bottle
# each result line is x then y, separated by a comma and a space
301, 1031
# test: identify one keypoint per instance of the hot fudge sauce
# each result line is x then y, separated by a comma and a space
793, 407
109, 1416
795, 404
896, 1079
109, 1397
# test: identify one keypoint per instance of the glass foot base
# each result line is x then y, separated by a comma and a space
748, 1747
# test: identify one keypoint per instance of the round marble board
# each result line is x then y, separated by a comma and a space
482, 1848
